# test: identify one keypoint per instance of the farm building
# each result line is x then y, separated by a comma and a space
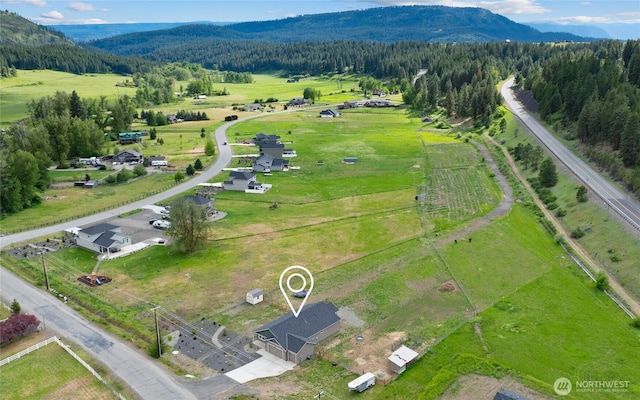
400, 359
255, 296
129, 137
295, 338
103, 238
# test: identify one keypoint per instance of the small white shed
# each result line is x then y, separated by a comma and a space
401, 358
255, 296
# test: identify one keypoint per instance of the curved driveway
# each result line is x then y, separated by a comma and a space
621, 203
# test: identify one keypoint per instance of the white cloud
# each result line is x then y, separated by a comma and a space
79, 6
53, 15
67, 21
630, 17
503, 7
37, 3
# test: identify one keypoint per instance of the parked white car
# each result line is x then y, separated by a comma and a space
162, 224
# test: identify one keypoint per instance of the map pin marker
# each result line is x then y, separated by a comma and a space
301, 292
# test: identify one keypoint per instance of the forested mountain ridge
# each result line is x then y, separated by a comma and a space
26, 45
386, 25
16, 30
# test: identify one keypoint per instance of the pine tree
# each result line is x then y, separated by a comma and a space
548, 175
15, 307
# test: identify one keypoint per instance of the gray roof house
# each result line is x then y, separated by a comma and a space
276, 150
239, 180
295, 338
267, 163
103, 238
298, 101
127, 155
261, 138
200, 200
329, 113
253, 107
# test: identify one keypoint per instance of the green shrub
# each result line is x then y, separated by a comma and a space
577, 233
561, 212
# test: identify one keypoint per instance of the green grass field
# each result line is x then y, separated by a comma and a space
51, 373
17, 93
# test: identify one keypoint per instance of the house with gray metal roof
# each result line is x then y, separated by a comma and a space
273, 149
295, 338
103, 238
267, 163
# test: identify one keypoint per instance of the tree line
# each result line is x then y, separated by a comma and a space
593, 94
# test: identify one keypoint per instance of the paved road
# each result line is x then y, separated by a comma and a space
148, 379
622, 203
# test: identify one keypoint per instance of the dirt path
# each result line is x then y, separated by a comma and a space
621, 293
502, 209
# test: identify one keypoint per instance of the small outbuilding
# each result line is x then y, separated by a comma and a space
400, 359
255, 296
350, 160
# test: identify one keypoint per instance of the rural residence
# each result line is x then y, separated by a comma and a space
127, 156
295, 339
103, 238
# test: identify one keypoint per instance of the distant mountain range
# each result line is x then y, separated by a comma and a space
384, 24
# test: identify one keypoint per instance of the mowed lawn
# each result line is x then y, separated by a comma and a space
50, 373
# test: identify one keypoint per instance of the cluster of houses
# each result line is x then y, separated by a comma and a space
273, 156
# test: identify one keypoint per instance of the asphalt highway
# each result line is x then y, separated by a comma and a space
621, 203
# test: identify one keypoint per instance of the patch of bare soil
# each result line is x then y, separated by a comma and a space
197, 150
480, 387
449, 286
372, 354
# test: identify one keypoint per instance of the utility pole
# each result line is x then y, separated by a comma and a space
155, 317
44, 268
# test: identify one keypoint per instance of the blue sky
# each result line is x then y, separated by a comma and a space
53, 12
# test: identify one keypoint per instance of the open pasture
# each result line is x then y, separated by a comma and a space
18, 92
